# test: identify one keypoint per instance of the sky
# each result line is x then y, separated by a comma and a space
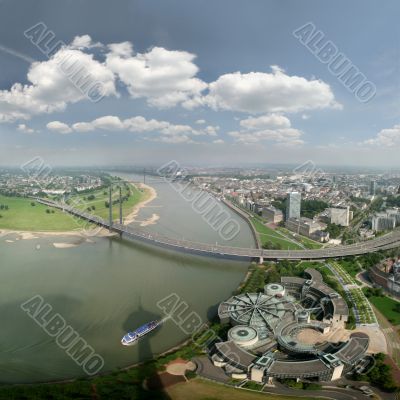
208, 83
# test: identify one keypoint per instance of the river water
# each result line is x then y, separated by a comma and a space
107, 287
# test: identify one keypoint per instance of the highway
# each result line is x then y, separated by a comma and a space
389, 241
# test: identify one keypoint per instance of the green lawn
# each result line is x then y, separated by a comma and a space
351, 267
135, 194
308, 243
22, 216
269, 235
386, 306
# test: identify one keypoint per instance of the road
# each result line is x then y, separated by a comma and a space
389, 241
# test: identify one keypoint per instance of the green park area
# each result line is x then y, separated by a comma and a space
278, 239
22, 214
272, 239
388, 307
305, 241
97, 202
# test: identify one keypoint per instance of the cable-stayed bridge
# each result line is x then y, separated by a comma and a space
389, 241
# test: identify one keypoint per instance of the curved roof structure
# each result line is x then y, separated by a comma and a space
280, 319
256, 309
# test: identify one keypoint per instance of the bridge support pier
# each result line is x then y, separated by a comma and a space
261, 260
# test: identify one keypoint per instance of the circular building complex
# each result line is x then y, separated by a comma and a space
281, 333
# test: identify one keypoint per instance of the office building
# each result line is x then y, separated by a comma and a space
293, 206
272, 214
372, 188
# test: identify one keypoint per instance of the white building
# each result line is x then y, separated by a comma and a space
383, 222
340, 216
293, 206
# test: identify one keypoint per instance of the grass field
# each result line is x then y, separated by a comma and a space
135, 194
269, 235
22, 216
198, 389
386, 306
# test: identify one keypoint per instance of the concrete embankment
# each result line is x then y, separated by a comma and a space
246, 217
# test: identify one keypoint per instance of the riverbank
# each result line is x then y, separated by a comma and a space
150, 196
247, 218
27, 234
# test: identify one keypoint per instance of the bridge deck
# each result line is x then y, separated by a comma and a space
389, 241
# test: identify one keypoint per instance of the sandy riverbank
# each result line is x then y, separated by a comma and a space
26, 235
152, 195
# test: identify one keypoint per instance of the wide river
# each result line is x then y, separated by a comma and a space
107, 287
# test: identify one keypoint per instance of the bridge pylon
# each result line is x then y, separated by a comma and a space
120, 206
110, 211
261, 260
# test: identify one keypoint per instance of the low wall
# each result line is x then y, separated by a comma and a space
246, 217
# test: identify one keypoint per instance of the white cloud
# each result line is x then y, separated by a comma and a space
108, 123
280, 136
141, 124
260, 92
269, 121
271, 127
386, 137
24, 128
49, 88
84, 42
59, 127
218, 141
164, 77
161, 130
83, 127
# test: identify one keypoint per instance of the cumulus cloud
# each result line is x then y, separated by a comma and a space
164, 131
164, 77
59, 127
270, 121
24, 128
386, 137
261, 92
50, 86
84, 42
271, 127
